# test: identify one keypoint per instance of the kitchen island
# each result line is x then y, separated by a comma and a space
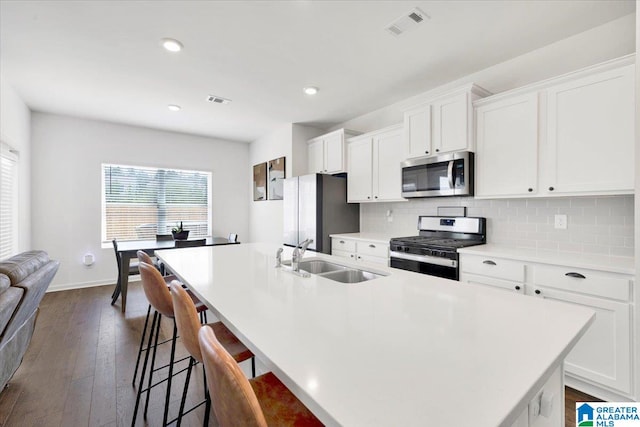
402, 349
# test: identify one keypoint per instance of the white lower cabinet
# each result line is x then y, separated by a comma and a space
359, 250
603, 356
546, 409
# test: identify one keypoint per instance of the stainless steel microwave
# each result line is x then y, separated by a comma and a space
445, 175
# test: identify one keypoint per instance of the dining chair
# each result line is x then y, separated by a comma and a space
132, 271
188, 326
190, 243
157, 293
259, 402
232, 237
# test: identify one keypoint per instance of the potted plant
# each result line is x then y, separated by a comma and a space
179, 233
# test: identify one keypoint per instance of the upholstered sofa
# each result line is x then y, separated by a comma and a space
24, 279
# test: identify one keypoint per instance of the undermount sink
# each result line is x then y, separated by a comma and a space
351, 276
336, 272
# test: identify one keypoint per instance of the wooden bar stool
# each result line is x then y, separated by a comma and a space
188, 326
259, 402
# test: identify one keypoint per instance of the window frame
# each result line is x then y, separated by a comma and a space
9, 153
106, 243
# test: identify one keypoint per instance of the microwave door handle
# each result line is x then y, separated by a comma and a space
450, 174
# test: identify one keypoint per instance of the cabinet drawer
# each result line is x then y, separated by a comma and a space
373, 259
494, 267
490, 282
590, 282
338, 244
344, 254
373, 248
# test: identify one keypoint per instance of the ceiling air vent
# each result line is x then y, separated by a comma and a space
407, 22
218, 99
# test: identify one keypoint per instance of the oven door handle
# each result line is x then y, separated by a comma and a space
450, 174
445, 262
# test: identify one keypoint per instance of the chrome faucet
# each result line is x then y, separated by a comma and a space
278, 257
298, 253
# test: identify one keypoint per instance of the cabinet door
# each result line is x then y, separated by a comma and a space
590, 134
491, 282
417, 132
387, 173
316, 156
334, 153
359, 158
507, 147
451, 124
603, 354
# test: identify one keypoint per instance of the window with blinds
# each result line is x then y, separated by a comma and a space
8, 201
140, 202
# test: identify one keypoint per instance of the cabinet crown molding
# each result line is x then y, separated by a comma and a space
552, 81
439, 94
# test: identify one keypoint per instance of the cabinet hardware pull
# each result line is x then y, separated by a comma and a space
372, 246
342, 241
351, 255
551, 188
488, 262
530, 190
517, 288
538, 291
426, 152
359, 257
576, 275
437, 150
376, 197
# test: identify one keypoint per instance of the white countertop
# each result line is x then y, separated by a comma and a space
405, 349
366, 237
624, 265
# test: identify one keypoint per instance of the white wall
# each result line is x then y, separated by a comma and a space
266, 215
289, 140
637, 209
15, 130
66, 164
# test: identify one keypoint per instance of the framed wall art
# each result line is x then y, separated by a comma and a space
275, 178
260, 182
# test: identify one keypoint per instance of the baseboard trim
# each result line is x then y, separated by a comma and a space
71, 286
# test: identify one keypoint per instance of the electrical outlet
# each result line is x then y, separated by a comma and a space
534, 409
561, 222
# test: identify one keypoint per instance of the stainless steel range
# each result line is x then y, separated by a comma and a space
435, 250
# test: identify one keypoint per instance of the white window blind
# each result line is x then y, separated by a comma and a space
8, 201
140, 202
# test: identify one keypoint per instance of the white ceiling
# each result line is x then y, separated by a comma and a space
102, 59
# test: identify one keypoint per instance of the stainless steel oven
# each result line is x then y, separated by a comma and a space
445, 175
435, 250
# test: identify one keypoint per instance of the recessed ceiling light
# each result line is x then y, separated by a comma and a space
174, 107
171, 45
310, 90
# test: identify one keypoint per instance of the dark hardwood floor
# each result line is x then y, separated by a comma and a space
78, 369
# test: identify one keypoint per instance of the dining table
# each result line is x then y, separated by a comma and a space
128, 250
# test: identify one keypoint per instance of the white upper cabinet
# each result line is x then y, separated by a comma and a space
374, 173
417, 131
507, 147
568, 136
442, 125
590, 134
327, 153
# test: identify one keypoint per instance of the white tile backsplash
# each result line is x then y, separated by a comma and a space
596, 225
